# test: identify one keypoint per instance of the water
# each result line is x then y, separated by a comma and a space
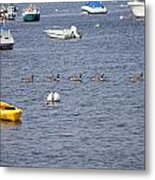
97, 124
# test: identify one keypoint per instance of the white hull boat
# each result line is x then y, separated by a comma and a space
71, 33
138, 11
138, 8
9, 12
6, 39
94, 7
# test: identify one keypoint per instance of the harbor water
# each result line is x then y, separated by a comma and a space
97, 125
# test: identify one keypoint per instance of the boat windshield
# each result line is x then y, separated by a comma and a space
94, 4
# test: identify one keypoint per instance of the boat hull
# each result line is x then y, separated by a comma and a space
11, 115
71, 33
90, 10
138, 11
6, 46
6, 39
31, 17
9, 112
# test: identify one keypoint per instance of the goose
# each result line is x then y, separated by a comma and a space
137, 77
28, 79
54, 78
98, 77
76, 78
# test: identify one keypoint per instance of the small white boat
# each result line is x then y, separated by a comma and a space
138, 8
6, 38
71, 33
94, 7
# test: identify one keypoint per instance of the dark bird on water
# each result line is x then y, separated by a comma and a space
98, 77
54, 78
76, 78
137, 77
28, 79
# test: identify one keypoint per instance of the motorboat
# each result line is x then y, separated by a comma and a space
31, 13
8, 11
71, 33
9, 112
6, 38
94, 7
138, 8
11, 12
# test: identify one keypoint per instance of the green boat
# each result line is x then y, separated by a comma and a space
31, 13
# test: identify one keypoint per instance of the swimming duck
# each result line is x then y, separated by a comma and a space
98, 77
77, 78
28, 79
54, 78
137, 77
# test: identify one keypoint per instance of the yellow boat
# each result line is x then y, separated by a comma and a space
10, 112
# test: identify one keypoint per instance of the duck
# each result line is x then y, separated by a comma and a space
98, 77
76, 78
54, 78
137, 77
28, 79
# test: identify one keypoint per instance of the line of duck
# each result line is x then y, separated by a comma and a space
137, 77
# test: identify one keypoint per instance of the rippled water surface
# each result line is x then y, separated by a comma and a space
97, 124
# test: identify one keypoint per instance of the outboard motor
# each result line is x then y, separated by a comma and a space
75, 33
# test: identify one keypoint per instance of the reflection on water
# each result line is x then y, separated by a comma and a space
4, 123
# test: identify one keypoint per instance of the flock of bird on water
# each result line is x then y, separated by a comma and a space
78, 78
55, 97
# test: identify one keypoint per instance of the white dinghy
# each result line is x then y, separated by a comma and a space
71, 33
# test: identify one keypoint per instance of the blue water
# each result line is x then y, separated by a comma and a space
97, 124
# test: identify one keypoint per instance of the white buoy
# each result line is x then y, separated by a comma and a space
121, 17
53, 97
97, 25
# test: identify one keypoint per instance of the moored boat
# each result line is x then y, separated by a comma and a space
71, 33
138, 8
31, 13
9, 11
94, 7
9, 112
6, 38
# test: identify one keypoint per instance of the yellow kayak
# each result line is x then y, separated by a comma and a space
10, 112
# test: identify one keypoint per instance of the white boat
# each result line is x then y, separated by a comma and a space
138, 8
71, 33
8, 11
11, 12
6, 38
94, 7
